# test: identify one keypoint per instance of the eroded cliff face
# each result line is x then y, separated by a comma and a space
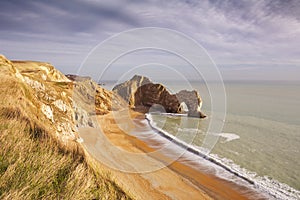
57, 103
93, 98
142, 95
127, 89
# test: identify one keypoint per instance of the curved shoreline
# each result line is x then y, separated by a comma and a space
213, 186
193, 150
280, 192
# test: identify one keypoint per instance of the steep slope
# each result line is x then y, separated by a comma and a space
65, 102
47, 95
93, 98
39, 155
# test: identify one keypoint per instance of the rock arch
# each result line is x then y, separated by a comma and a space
141, 94
193, 102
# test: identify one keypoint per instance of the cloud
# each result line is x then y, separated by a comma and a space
234, 32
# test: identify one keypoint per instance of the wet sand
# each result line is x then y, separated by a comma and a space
120, 154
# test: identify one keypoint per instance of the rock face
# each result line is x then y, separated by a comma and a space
58, 103
150, 94
141, 94
49, 93
93, 98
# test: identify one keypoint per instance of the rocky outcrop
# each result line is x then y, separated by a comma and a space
193, 102
50, 93
151, 94
93, 98
142, 95
77, 78
127, 89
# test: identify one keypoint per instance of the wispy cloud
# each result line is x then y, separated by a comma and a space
234, 32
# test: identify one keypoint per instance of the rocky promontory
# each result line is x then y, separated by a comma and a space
142, 94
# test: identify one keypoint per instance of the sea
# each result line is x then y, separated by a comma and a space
260, 138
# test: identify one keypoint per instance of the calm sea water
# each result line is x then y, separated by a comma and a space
261, 133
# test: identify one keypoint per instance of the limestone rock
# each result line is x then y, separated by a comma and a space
193, 102
92, 97
151, 94
127, 89
47, 112
141, 94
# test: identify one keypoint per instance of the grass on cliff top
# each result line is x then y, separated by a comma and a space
34, 166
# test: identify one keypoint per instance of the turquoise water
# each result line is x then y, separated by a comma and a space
261, 132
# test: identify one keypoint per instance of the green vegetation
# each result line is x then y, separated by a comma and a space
38, 169
33, 165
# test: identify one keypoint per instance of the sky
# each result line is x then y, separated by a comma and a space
247, 40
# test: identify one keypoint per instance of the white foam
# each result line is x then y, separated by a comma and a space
229, 136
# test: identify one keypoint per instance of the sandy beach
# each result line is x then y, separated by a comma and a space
176, 181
